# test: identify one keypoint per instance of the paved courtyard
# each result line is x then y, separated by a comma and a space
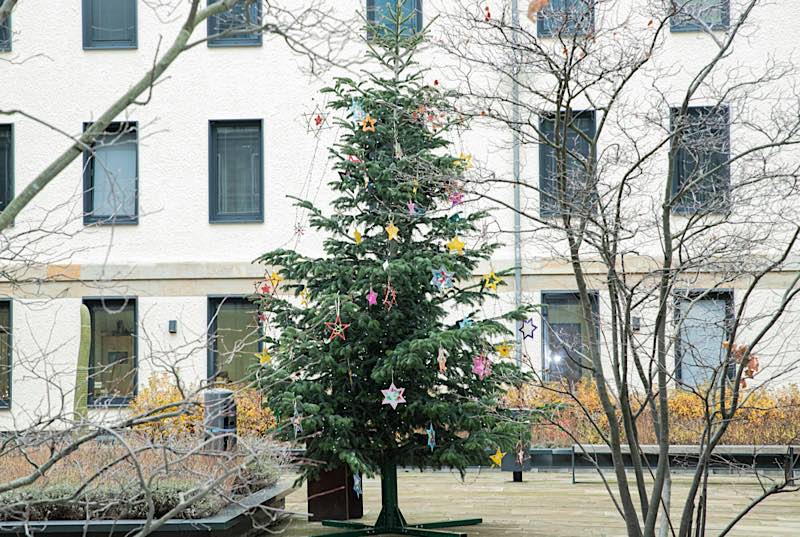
549, 505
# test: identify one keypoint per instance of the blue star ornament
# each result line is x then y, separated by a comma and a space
357, 485
442, 279
527, 329
357, 111
431, 436
466, 322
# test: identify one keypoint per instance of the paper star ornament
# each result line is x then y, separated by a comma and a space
372, 297
337, 329
390, 298
275, 279
527, 329
296, 421
357, 485
442, 279
456, 245
368, 124
464, 161
431, 436
456, 198
393, 396
392, 231
357, 237
504, 350
264, 357
490, 281
466, 322
441, 359
305, 296
497, 458
357, 111
482, 366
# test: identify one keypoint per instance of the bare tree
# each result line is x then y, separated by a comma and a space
664, 180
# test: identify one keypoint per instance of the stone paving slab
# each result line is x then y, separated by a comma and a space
549, 505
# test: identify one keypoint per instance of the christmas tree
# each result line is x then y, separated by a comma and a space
384, 356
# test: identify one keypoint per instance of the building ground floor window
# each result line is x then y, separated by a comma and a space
234, 338
113, 360
565, 343
703, 320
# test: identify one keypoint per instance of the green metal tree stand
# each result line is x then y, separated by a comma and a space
391, 521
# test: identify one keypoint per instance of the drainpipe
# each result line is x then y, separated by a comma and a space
515, 143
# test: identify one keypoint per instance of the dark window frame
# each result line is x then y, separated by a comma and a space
543, 315
718, 207
6, 403
371, 12
545, 209
549, 28
7, 42
681, 295
113, 402
90, 44
240, 40
11, 176
685, 25
213, 179
89, 218
213, 303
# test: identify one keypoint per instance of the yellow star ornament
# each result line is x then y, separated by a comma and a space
497, 458
465, 161
368, 124
491, 280
392, 230
264, 357
275, 279
305, 295
504, 350
357, 236
456, 245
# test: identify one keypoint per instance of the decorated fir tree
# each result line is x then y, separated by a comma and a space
384, 356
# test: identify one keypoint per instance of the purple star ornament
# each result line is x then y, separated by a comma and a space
527, 329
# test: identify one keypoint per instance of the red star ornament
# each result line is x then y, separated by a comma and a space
337, 329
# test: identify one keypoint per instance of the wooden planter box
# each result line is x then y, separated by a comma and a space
232, 521
331, 497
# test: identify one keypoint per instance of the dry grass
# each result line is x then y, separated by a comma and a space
109, 479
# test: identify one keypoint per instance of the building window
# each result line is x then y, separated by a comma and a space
566, 17
238, 26
110, 176
113, 361
5, 35
109, 24
694, 15
564, 186
234, 338
565, 342
236, 172
703, 321
5, 353
383, 14
6, 165
701, 173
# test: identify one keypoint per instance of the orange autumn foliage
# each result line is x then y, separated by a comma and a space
767, 416
252, 417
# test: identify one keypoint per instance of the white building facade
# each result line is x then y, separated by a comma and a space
157, 232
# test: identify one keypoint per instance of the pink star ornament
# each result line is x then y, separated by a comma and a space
481, 366
372, 297
393, 396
